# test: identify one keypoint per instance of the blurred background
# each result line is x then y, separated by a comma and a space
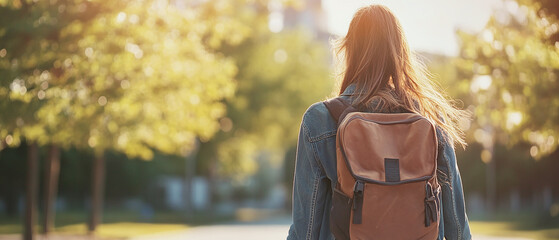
156, 119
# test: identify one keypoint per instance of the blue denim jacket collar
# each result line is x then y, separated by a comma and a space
349, 90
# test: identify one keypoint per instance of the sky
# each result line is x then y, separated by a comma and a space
429, 25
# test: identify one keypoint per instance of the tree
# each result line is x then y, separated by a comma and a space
132, 76
27, 33
510, 60
508, 73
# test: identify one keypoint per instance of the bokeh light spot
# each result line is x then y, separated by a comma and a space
486, 156
102, 100
9, 139
534, 151
44, 85
134, 49
513, 119
89, 52
124, 84
41, 94
481, 82
92, 141
226, 124
120, 17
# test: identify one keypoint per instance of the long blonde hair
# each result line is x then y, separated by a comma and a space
377, 59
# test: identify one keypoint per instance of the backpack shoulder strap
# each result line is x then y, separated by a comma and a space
338, 108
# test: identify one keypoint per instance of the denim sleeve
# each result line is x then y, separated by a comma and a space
309, 193
455, 223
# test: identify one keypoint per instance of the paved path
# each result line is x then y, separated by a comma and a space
274, 229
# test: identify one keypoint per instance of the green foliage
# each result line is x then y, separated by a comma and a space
131, 76
510, 73
280, 75
136, 76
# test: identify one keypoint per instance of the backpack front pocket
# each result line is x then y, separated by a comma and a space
395, 212
340, 215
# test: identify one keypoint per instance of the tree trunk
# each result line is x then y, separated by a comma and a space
97, 190
31, 191
52, 170
10, 197
190, 172
491, 175
212, 184
189, 175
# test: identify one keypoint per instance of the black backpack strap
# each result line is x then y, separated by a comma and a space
338, 108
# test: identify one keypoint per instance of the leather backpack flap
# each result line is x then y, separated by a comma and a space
389, 147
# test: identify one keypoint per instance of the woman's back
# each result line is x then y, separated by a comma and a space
315, 179
380, 76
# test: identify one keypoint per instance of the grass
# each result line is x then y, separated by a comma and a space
122, 229
511, 229
118, 224
527, 225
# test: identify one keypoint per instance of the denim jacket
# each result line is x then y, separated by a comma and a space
315, 179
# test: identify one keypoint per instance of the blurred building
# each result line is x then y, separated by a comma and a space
311, 17
169, 193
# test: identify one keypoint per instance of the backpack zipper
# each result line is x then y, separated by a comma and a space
430, 205
358, 201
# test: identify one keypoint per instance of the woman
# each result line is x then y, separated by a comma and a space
379, 75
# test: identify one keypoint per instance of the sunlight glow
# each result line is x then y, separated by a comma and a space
430, 25
513, 119
481, 82
275, 24
18, 86
134, 49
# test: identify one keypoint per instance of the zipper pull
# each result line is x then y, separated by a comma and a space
359, 186
358, 190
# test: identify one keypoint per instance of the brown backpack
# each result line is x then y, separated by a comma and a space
387, 186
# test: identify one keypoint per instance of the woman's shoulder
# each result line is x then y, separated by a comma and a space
317, 121
444, 140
